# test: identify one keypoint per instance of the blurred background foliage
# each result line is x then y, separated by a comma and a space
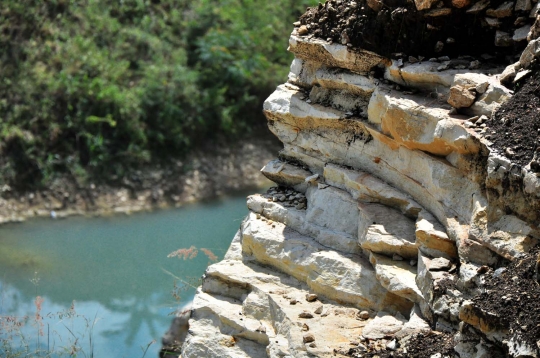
95, 88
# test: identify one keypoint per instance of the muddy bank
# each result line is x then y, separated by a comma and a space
215, 170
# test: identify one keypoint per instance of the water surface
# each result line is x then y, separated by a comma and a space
113, 270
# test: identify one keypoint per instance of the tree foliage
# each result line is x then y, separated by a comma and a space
96, 88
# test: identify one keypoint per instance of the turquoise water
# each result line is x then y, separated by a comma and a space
114, 270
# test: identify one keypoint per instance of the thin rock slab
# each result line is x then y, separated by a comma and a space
383, 326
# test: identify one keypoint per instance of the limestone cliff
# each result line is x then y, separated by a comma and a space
391, 217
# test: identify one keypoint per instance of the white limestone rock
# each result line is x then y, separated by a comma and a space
506, 235
432, 239
331, 236
531, 52
333, 54
424, 76
345, 278
302, 73
488, 102
286, 174
417, 123
416, 324
340, 79
384, 230
383, 326
397, 277
430, 181
367, 188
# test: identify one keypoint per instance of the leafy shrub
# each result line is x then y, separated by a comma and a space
96, 88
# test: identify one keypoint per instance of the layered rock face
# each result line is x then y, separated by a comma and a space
390, 213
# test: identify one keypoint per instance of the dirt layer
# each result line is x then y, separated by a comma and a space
418, 346
397, 27
515, 127
512, 294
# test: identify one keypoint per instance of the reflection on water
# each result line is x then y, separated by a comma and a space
113, 270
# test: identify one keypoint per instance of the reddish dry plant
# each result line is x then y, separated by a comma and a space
210, 254
192, 252
39, 319
185, 254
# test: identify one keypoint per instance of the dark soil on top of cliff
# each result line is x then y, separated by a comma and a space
515, 127
418, 346
513, 295
398, 27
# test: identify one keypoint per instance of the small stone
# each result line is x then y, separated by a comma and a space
523, 5
520, 21
319, 309
461, 3
305, 327
444, 58
261, 329
308, 338
440, 264
502, 39
521, 33
297, 23
482, 87
361, 347
310, 297
375, 5
363, 315
450, 40
460, 97
478, 7
444, 11
305, 314
504, 10
293, 301
439, 46
312, 345
509, 152
392, 345
522, 74
413, 59
396, 257
303, 30
492, 22
474, 65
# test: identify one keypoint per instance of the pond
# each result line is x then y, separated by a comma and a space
107, 284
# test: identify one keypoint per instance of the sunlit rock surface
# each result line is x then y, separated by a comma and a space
389, 211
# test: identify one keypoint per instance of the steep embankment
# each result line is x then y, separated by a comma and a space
402, 224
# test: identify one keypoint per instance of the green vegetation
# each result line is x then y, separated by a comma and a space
94, 88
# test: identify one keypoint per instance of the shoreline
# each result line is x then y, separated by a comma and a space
207, 174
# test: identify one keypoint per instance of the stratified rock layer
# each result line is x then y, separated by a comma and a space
387, 215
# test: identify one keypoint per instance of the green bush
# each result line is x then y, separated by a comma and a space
96, 88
